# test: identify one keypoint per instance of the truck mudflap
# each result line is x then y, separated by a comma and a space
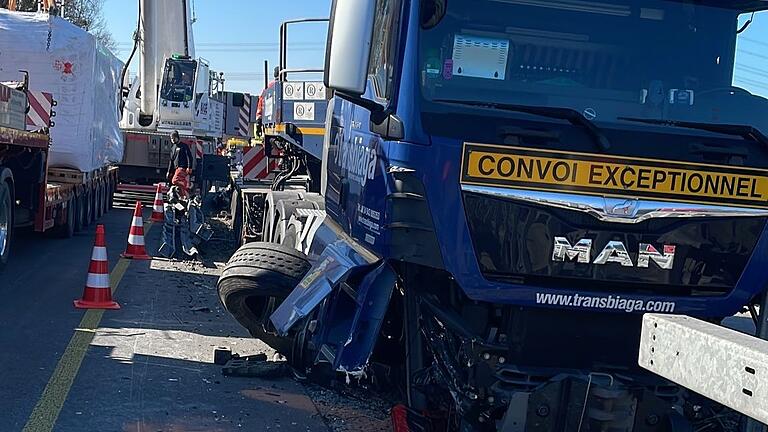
358, 293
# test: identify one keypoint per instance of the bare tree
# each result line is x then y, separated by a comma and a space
22, 5
88, 14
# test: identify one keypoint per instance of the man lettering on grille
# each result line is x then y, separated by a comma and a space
180, 166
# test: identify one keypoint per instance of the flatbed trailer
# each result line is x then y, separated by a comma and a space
49, 200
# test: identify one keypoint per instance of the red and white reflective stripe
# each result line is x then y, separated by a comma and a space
99, 253
40, 106
136, 234
158, 207
136, 240
244, 119
255, 163
99, 281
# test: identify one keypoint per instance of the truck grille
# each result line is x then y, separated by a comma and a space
513, 242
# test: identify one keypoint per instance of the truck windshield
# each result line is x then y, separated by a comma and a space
178, 80
685, 61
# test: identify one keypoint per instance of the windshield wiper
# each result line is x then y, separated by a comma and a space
571, 115
747, 132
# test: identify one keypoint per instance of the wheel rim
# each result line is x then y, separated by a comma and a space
5, 219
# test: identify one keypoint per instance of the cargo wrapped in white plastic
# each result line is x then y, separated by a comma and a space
83, 77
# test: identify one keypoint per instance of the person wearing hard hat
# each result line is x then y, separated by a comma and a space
180, 165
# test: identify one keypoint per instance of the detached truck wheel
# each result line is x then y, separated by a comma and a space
256, 274
6, 220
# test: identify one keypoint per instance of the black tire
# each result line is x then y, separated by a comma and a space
85, 208
256, 274
78, 212
111, 194
238, 228
104, 198
67, 229
99, 201
6, 221
91, 206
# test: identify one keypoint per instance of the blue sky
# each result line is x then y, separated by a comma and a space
236, 36
752, 56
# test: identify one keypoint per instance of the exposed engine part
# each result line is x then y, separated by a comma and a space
292, 163
184, 228
478, 370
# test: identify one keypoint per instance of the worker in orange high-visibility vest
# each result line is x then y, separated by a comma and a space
180, 165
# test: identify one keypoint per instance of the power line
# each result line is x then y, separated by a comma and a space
755, 41
752, 53
243, 44
752, 70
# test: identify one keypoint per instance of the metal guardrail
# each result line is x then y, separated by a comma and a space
721, 364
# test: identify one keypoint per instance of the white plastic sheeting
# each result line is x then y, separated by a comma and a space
82, 76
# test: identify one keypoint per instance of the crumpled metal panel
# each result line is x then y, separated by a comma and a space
372, 300
184, 226
187, 242
724, 365
336, 261
168, 246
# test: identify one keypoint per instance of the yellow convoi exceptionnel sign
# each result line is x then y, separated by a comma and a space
608, 175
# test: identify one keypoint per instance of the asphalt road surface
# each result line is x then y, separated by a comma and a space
146, 367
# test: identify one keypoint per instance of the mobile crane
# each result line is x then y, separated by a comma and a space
172, 91
505, 188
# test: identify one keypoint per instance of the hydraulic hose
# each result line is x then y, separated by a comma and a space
136, 40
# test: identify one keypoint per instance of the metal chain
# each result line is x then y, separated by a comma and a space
50, 34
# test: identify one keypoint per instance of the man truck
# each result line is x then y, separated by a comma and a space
504, 188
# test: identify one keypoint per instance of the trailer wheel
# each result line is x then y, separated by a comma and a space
256, 279
77, 211
99, 200
67, 229
87, 208
91, 206
96, 202
111, 194
6, 220
105, 197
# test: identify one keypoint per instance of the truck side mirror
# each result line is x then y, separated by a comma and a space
350, 33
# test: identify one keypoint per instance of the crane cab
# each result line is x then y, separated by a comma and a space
184, 96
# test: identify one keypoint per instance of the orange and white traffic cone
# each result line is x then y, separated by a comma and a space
98, 293
135, 249
158, 214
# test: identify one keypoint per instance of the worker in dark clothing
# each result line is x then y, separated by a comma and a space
180, 166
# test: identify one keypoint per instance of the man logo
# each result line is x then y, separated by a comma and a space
613, 252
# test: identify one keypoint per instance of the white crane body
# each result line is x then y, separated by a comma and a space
173, 89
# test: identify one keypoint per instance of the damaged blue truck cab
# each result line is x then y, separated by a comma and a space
508, 187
